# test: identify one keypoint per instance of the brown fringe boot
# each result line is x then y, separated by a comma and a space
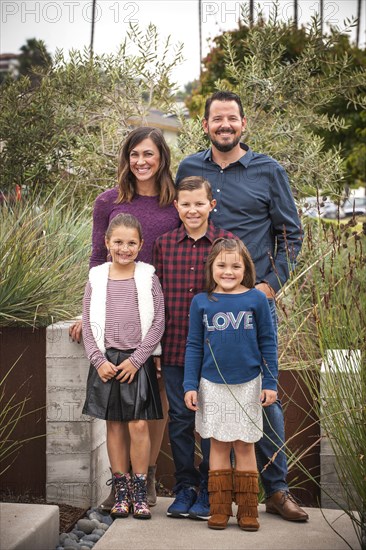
246, 496
220, 488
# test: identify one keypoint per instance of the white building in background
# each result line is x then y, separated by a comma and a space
9, 64
168, 123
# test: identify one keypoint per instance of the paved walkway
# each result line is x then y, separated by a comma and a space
166, 533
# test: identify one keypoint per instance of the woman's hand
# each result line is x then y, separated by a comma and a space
157, 363
106, 371
128, 371
190, 399
268, 397
75, 331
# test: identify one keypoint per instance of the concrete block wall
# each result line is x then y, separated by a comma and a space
332, 494
77, 461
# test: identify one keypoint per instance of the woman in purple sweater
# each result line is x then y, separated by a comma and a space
146, 190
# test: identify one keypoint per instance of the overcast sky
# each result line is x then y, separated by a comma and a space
66, 24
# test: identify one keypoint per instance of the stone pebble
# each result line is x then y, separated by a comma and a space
93, 538
70, 543
73, 536
96, 515
99, 532
85, 525
87, 531
78, 533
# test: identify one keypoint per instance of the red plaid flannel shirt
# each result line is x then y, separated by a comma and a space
180, 265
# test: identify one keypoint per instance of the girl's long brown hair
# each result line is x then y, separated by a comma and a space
229, 245
164, 179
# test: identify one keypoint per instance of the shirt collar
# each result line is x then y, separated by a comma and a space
210, 233
244, 160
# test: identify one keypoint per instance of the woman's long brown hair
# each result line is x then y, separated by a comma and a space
164, 179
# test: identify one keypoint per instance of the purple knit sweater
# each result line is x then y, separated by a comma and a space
155, 221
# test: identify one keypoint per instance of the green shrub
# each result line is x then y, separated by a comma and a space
43, 260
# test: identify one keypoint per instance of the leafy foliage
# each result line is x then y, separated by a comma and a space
322, 311
69, 128
303, 94
33, 55
44, 252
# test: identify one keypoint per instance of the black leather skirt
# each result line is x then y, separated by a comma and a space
120, 401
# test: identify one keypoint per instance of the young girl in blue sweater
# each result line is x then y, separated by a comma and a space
230, 373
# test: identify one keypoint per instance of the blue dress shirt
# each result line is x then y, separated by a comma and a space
254, 201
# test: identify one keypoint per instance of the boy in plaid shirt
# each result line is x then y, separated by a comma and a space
179, 258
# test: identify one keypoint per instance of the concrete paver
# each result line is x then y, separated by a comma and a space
28, 526
275, 533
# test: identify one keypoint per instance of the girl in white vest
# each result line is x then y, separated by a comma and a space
123, 322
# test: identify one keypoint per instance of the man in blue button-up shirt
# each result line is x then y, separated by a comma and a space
255, 202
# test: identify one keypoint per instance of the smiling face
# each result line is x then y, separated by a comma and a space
228, 272
124, 245
194, 208
224, 125
144, 161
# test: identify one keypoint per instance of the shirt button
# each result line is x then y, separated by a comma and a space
221, 171
192, 268
218, 190
215, 209
194, 246
191, 290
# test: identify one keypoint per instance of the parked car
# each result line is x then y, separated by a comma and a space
314, 208
355, 205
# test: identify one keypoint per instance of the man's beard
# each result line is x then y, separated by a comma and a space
225, 147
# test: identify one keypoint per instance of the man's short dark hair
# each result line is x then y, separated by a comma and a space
223, 96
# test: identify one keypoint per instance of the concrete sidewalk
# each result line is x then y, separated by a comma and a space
162, 532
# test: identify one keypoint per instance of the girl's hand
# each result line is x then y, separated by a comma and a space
268, 397
106, 371
128, 371
157, 363
190, 399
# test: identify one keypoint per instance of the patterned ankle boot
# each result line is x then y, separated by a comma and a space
139, 497
122, 495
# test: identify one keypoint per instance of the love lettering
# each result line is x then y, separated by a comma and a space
221, 320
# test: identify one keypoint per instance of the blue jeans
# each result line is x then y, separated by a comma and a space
181, 433
274, 476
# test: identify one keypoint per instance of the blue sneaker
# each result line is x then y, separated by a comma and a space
184, 500
201, 508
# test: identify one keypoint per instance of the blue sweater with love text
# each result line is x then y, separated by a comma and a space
231, 340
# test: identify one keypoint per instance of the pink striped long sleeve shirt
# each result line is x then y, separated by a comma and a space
123, 327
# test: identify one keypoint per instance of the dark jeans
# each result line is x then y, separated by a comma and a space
182, 441
274, 476
181, 433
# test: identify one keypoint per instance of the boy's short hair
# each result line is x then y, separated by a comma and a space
191, 183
